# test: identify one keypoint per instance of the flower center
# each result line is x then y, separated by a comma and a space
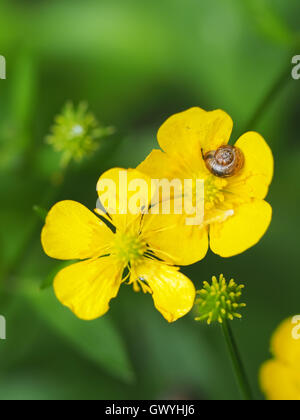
129, 248
213, 191
77, 130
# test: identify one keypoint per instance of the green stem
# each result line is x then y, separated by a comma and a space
275, 89
237, 362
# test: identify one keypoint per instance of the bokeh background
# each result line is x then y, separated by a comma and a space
136, 63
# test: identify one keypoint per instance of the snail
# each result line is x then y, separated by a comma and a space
224, 162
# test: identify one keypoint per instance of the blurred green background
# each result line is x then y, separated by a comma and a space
136, 63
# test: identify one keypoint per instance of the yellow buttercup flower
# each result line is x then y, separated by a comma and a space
123, 252
236, 215
280, 377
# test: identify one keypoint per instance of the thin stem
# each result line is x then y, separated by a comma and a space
237, 362
275, 89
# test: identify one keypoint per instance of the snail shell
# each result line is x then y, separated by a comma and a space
224, 162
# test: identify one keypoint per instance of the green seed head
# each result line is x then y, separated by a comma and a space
219, 301
76, 133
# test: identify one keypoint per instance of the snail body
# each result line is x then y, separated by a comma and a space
225, 162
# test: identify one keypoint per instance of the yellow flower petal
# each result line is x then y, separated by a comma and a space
256, 176
242, 230
87, 287
159, 165
73, 232
173, 241
280, 382
284, 345
124, 193
173, 293
185, 134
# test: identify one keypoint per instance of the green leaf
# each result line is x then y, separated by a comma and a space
98, 340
